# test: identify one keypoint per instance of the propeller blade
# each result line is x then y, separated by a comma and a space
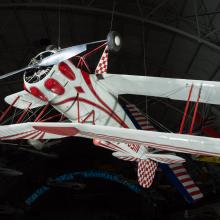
15, 72
62, 55
53, 59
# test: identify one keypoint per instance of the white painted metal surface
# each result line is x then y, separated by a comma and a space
24, 101
177, 89
158, 140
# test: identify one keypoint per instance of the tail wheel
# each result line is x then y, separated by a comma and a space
114, 41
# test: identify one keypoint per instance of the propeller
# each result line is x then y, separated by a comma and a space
62, 55
53, 59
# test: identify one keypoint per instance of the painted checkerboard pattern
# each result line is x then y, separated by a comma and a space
178, 169
103, 62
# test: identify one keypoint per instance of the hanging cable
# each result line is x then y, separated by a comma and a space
112, 15
59, 26
196, 15
144, 46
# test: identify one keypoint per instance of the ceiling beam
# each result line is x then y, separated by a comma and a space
172, 40
53, 6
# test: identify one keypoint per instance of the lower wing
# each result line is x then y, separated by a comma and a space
159, 140
24, 100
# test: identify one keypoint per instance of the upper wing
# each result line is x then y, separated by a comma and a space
24, 100
177, 89
159, 140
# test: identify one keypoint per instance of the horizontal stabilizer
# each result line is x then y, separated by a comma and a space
124, 156
165, 158
146, 168
162, 158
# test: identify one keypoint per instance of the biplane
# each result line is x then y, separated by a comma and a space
90, 103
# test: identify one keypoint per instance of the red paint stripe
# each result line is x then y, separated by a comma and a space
14, 135
150, 144
185, 180
181, 174
113, 148
195, 193
113, 114
116, 146
88, 102
26, 136
64, 131
42, 135
149, 129
36, 135
190, 186
177, 168
142, 120
107, 146
128, 158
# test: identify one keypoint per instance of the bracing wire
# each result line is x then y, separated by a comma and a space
161, 126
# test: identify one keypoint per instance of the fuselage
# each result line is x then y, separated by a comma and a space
80, 97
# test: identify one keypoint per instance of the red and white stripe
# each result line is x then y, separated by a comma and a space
164, 160
143, 122
177, 168
103, 63
210, 121
108, 145
128, 158
186, 180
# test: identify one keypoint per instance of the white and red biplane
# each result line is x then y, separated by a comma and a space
90, 102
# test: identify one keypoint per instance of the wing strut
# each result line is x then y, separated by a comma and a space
9, 108
195, 111
23, 114
42, 112
186, 110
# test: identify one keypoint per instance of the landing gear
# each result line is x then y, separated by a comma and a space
114, 41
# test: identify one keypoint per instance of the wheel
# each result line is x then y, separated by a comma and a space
114, 41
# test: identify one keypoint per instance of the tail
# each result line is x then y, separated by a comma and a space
147, 164
103, 63
175, 172
146, 172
